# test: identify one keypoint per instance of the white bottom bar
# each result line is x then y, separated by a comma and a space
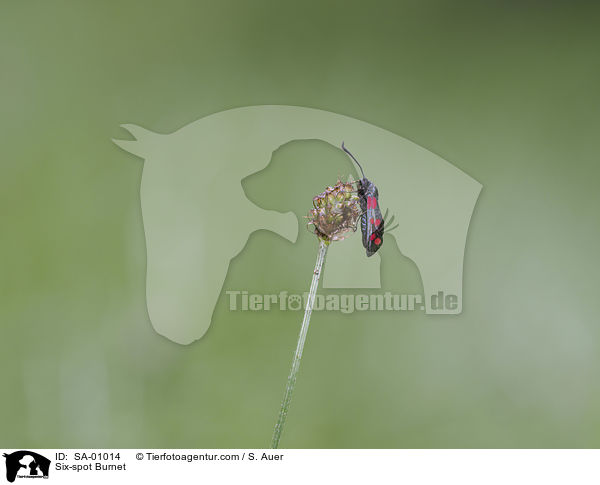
464, 467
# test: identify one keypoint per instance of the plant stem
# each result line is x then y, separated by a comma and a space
291, 382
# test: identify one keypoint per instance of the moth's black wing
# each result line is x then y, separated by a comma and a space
362, 200
371, 222
375, 239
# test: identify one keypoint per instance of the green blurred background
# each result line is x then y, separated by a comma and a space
506, 91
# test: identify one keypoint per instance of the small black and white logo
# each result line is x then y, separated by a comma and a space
26, 464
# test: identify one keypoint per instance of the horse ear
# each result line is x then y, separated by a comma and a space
139, 146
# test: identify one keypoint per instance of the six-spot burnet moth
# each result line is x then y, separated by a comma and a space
371, 222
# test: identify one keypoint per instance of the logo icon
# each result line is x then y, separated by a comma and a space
26, 464
186, 173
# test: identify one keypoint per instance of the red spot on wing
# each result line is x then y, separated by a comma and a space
373, 236
371, 202
377, 241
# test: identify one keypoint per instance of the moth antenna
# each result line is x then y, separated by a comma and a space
352, 156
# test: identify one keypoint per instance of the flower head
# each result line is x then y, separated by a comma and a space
335, 213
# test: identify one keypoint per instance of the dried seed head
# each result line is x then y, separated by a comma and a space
336, 212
